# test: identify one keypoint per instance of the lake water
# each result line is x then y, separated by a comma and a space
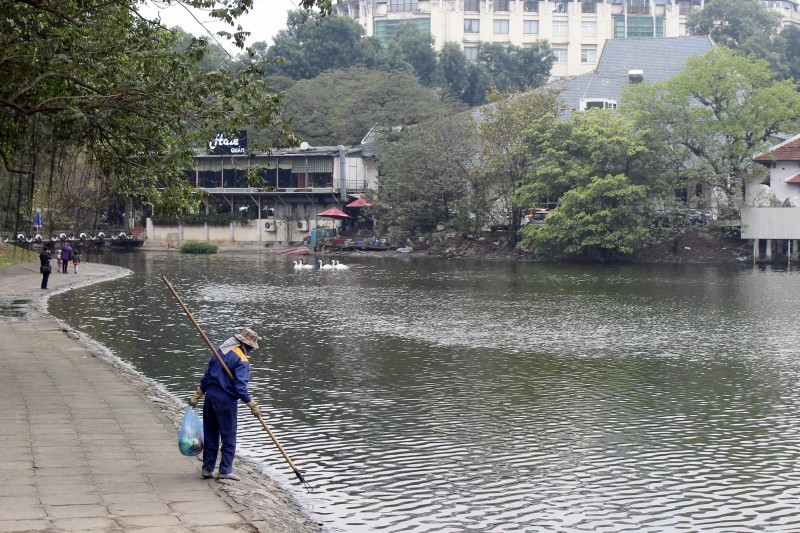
427, 395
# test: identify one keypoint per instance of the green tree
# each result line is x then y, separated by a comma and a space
508, 126
416, 48
722, 109
601, 220
745, 26
425, 174
96, 82
515, 69
453, 69
787, 51
567, 154
478, 85
310, 46
341, 106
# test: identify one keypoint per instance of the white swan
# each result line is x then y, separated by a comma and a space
297, 266
305, 265
324, 267
337, 265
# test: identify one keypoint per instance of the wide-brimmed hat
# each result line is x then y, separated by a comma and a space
248, 336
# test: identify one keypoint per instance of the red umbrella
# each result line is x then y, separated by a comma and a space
362, 203
333, 212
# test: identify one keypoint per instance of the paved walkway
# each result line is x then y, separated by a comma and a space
87, 445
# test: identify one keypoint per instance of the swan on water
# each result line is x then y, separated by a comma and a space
339, 266
324, 267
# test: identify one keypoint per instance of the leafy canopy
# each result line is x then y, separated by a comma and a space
601, 220
722, 109
96, 79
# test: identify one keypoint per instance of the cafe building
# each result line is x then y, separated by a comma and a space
278, 194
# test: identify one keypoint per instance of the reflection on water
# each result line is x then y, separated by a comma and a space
440, 396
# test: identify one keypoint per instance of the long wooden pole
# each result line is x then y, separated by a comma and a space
230, 375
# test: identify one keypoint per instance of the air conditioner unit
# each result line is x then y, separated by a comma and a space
600, 103
302, 225
270, 225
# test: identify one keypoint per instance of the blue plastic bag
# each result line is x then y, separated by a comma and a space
190, 437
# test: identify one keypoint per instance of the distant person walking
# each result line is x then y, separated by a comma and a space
76, 259
58, 259
45, 268
222, 396
66, 255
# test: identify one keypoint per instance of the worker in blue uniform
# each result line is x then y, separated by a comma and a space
222, 396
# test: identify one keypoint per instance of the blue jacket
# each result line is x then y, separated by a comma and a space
216, 382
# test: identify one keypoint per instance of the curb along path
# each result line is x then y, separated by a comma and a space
89, 445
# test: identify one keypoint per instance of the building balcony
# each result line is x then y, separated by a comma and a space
638, 10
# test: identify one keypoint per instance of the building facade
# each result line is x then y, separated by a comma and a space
576, 29
280, 193
771, 216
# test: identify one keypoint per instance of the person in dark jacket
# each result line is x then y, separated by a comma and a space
222, 396
66, 255
46, 267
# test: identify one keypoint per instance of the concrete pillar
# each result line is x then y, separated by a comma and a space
769, 250
795, 251
756, 249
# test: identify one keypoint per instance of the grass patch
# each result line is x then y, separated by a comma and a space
196, 247
11, 255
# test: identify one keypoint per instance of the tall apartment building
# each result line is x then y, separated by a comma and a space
576, 29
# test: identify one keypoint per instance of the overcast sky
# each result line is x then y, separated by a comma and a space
264, 21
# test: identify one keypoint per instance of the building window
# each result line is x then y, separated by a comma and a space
501, 27
560, 55
638, 7
501, 5
589, 54
530, 27
589, 28
472, 5
531, 6
403, 6
472, 25
638, 26
560, 27
471, 53
384, 30
589, 6
687, 7
560, 6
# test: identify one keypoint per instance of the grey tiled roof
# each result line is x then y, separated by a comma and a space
659, 58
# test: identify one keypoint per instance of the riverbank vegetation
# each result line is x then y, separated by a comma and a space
614, 182
11, 255
103, 106
197, 247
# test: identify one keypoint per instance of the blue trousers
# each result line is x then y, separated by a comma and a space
219, 424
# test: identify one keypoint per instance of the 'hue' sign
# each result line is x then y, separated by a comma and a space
223, 145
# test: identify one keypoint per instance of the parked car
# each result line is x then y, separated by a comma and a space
537, 215
697, 217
